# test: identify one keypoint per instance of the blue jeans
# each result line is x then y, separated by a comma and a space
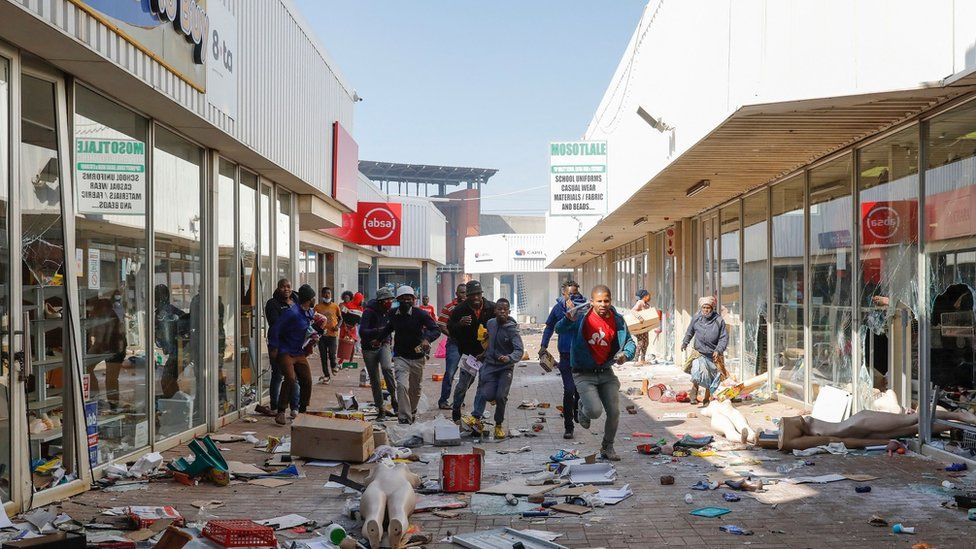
494, 385
276, 378
465, 380
598, 393
570, 396
450, 368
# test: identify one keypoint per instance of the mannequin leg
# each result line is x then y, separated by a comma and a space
373, 507
400, 506
729, 421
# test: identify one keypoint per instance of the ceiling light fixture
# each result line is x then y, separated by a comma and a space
608, 239
697, 188
640, 220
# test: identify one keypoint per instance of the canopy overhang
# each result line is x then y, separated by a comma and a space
756, 145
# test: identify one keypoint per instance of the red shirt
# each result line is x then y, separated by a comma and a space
429, 309
599, 333
445, 316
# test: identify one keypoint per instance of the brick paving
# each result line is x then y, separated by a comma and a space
818, 516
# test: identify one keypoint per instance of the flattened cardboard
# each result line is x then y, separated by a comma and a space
570, 508
270, 482
331, 439
518, 487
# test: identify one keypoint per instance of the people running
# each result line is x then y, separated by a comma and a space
570, 292
329, 342
711, 339
504, 351
377, 349
600, 340
452, 355
426, 307
414, 331
466, 321
286, 342
643, 304
282, 300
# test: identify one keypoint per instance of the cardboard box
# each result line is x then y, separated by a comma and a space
380, 438
331, 439
58, 540
462, 472
643, 321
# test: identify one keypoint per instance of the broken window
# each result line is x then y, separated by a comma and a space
755, 284
729, 283
788, 292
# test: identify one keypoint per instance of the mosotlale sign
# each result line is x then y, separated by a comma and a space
578, 178
373, 224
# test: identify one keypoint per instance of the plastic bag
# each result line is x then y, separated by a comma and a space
441, 351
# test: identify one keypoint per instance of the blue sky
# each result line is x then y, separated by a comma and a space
483, 84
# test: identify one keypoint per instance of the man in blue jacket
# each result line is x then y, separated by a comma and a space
504, 351
570, 292
286, 344
600, 340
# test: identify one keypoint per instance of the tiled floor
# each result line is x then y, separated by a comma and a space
808, 516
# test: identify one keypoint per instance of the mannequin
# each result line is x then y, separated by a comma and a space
865, 428
389, 494
729, 422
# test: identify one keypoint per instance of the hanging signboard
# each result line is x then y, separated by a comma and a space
578, 178
110, 176
372, 224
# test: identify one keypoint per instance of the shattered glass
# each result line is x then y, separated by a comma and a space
755, 285
729, 283
789, 367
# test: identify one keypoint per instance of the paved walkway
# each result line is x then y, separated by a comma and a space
906, 491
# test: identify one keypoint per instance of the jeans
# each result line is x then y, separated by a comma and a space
598, 392
276, 378
328, 345
570, 395
379, 363
297, 376
465, 380
450, 368
409, 375
493, 385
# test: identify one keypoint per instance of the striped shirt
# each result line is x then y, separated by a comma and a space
445, 315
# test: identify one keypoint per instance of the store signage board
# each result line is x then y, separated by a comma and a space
176, 33
522, 253
578, 178
222, 59
110, 176
345, 166
372, 224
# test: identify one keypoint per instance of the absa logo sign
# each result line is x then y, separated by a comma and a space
379, 223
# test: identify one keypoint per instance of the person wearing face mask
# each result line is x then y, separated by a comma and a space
415, 330
377, 349
711, 339
329, 342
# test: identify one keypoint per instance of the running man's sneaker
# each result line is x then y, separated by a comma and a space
473, 424
500, 432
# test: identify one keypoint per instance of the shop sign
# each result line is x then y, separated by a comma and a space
482, 257
887, 223
173, 32
528, 254
110, 176
221, 65
372, 224
345, 166
832, 240
669, 233
950, 214
578, 178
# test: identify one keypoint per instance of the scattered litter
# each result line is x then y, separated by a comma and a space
564, 455
595, 473
347, 402
490, 504
639, 434
631, 409
521, 450
571, 508
447, 435
688, 441
878, 521
613, 496
127, 486
956, 467
678, 415
861, 478
710, 512
270, 482
733, 529
503, 537
862, 489
667, 480
730, 497
519, 487
704, 485
284, 522
323, 463
832, 405
835, 448
902, 529
822, 479
689, 499
240, 469
208, 503
438, 502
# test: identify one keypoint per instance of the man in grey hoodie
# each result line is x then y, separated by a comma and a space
504, 351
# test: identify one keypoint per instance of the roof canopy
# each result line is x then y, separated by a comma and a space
754, 146
424, 174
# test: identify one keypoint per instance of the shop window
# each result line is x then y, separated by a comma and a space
831, 276
267, 286
887, 181
112, 250
283, 231
788, 291
755, 284
250, 303
49, 383
177, 284
950, 249
729, 224
5, 395
227, 280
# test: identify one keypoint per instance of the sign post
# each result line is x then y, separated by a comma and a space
578, 178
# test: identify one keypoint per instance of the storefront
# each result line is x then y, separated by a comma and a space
855, 271
144, 226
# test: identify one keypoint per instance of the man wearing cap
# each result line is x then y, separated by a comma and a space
286, 343
413, 331
466, 319
377, 350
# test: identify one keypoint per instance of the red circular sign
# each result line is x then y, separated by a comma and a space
379, 223
882, 222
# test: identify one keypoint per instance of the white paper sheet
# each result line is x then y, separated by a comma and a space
284, 522
822, 479
613, 496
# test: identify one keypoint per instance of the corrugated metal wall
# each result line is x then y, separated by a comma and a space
424, 228
288, 94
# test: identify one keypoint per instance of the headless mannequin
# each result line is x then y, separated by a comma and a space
865, 428
729, 421
389, 494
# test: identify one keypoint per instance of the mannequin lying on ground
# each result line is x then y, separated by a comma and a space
729, 422
389, 493
865, 428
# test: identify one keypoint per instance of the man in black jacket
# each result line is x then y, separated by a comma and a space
281, 300
414, 329
466, 318
377, 350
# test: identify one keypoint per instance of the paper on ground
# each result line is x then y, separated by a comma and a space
836, 448
284, 522
613, 496
822, 479
592, 473
321, 463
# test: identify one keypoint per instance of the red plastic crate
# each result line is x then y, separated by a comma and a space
240, 533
